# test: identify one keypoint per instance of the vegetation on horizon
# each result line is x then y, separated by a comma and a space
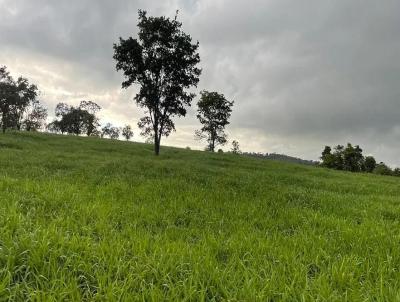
351, 159
20, 108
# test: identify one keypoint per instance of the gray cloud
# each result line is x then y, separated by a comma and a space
302, 73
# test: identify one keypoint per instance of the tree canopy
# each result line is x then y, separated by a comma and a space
76, 120
350, 158
213, 112
127, 132
110, 131
19, 106
163, 62
235, 147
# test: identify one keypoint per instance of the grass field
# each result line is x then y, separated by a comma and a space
100, 220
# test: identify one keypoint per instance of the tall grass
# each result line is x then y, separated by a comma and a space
100, 220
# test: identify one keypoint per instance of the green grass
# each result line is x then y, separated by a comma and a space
100, 220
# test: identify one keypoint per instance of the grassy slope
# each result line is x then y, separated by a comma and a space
84, 218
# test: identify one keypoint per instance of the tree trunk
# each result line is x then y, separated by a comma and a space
4, 126
212, 145
156, 145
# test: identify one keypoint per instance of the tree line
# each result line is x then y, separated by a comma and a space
21, 109
83, 120
351, 158
162, 61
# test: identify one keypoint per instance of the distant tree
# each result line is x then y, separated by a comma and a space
235, 147
328, 159
76, 120
220, 151
327, 151
96, 133
110, 131
163, 62
353, 159
61, 123
369, 164
338, 157
127, 132
114, 132
214, 111
348, 159
106, 130
382, 169
35, 117
15, 98
88, 112
396, 172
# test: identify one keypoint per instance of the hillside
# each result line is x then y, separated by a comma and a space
93, 219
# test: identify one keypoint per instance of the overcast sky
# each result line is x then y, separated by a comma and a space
303, 74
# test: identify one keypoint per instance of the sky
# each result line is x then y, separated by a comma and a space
302, 74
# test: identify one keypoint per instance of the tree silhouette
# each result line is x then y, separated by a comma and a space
235, 147
127, 132
351, 159
213, 113
89, 110
76, 120
15, 99
35, 118
370, 164
163, 62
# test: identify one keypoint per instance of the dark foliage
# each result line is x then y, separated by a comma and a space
351, 159
348, 159
127, 132
369, 164
19, 107
110, 131
163, 62
235, 147
213, 112
76, 120
383, 169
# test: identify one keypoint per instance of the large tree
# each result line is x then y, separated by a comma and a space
15, 97
163, 62
214, 111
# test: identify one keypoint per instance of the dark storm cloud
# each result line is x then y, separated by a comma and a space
302, 73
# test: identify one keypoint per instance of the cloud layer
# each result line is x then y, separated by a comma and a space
302, 73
